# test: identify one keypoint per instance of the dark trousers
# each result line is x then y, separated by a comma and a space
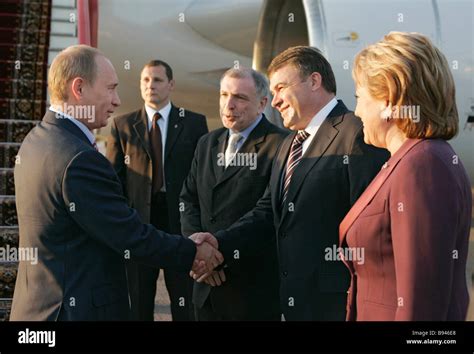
142, 278
208, 313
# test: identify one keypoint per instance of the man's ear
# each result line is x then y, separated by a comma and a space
316, 81
172, 82
77, 87
262, 104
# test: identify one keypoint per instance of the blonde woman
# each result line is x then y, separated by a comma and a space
413, 220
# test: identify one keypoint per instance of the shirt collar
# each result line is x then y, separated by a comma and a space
164, 112
90, 136
246, 132
318, 119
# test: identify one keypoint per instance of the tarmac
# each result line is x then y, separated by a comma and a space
162, 301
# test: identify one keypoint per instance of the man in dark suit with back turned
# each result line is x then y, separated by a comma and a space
71, 207
151, 150
319, 172
229, 173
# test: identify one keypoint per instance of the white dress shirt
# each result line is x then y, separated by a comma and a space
316, 122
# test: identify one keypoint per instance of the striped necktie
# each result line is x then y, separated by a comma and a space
293, 160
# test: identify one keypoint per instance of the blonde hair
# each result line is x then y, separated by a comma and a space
74, 61
406, 69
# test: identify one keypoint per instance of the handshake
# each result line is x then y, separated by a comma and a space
207, 259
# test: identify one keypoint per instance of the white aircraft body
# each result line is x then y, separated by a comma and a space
201, 39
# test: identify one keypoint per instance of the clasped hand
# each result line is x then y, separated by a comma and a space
207, 255
200, 273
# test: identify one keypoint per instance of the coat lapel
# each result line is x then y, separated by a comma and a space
218, 161
320, 143
141, 129
250, 146
175, 126
318, 147
277, 172
374, 187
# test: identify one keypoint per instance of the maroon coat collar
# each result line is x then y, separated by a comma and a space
374, 187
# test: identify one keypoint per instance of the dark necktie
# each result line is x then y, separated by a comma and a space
293, 161
156, 154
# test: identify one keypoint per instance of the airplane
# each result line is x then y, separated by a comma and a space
203, 38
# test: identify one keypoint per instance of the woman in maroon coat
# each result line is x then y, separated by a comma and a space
413, 221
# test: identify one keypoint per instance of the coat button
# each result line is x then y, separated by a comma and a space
285, 273
212, 220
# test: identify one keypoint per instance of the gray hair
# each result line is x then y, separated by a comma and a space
260, 81
74, 61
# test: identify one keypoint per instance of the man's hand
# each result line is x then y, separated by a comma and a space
200, 237
215, 278
207, 256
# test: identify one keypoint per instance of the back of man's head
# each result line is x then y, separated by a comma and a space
72, 62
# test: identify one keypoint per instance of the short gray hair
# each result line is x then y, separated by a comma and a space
259, 79
74, 61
